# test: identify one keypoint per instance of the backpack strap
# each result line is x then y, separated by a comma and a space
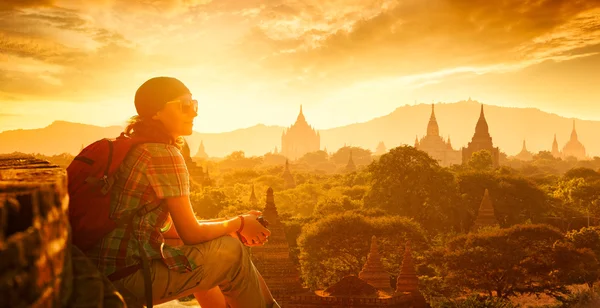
146, 274
144, 263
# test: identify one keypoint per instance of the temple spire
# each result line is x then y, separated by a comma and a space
253, 199
555, 151
201, 153
350, 167
485, 215
407, 279
574, 132
288, 178
432, 127
373, 271
273, 258
481, 129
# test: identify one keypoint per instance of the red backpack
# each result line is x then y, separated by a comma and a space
90, 179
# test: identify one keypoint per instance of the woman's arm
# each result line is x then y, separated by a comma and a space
190, 230
171, 231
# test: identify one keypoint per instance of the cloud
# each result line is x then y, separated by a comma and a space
71, 49
419, 36
17, 4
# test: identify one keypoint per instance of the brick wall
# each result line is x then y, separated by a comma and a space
38, 266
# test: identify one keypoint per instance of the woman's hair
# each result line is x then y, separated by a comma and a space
150, 129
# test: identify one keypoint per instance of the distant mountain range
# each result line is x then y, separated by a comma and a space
508, 128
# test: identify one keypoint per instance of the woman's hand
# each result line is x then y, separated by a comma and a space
255, 212
253, 231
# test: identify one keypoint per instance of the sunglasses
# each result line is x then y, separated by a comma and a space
186, 105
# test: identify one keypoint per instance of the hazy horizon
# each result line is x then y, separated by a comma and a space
307, 115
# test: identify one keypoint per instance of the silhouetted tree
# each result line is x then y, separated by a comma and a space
337, 245
516, 200
523, 259
408, 182
481, 160
360, 156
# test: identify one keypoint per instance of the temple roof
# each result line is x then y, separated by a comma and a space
352, 286
485, 215
524, 154
373, 271
574, 147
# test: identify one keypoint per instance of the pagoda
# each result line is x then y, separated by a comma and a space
435, 146
485, 215
574, 147
273, 259
299, 139
373, 272
524, 155
288, 178
481, 141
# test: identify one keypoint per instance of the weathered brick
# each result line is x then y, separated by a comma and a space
37, 268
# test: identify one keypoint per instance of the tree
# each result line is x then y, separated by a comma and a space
335, 205
238, 160
581, 194
523, 259
209, 203
481, 160
516, 199
337, 245
584, 173
314, 158
408, 182
360, 156
587, 237
274, 159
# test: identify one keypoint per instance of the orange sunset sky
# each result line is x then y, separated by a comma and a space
251, 61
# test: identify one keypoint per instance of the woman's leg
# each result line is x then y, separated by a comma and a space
265, 289
214, 297
211, 298
221, 263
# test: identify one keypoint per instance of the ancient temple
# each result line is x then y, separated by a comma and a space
288, 178
197, 175
207, 180
373, 271
381, 149
407, 279
555, 152
574, 147
299, 139
481, 141
273, 259
201, 151
524, 154
434, 145
485, 216
350, 166
253, 199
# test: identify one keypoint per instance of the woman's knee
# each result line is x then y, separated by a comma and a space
229, 250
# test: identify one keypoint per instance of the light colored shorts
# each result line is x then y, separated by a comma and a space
222, 262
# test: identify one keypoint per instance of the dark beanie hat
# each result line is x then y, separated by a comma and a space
152, 96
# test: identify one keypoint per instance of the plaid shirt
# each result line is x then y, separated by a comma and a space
150, 173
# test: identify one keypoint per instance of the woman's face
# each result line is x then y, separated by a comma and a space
178, 115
